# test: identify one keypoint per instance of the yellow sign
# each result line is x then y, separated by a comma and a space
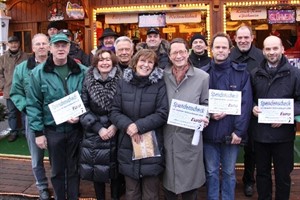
190, 29
169, 30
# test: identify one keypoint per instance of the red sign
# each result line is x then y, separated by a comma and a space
281, 16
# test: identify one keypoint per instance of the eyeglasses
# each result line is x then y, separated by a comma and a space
181, 53
41, 44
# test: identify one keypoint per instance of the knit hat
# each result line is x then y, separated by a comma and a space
53, 24
198, 36
108, 32
60, 37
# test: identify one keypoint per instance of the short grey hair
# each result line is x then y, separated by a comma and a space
123, 38
40, 34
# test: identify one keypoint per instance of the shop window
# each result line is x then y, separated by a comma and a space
25, 40
263, 24
168, 30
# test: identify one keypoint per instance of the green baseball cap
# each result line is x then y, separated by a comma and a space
59, 38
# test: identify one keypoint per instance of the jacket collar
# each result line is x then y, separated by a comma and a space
31, 63
72, 65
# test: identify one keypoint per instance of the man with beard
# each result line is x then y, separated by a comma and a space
246, 52
107, 39
274, 142
124, 51
160, 46
199, 56
18, 92
8, 61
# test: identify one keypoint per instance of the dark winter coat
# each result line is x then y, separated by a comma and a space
199, 61
98, 158
77, 53
143, 101
233, 77
253, 57
285, 84
162, 52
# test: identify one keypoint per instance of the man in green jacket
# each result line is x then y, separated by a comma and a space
18, 93
58, 77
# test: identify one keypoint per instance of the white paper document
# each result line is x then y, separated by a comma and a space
185, 114
225, 101
67, 107
197, 134
279, 111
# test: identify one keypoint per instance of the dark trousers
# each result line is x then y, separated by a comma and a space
146, 188
188, 195
282, 155
116, 186
13, 113
63, 156
249, 162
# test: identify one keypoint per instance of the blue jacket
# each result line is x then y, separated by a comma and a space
234, 77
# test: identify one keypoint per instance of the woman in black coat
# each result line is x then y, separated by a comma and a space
140, 106
98, 156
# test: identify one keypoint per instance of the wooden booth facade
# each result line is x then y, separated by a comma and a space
175, 18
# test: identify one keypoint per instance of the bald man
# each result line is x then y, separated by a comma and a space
274, 142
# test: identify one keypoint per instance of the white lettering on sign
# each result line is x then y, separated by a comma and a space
248, 14
183, 17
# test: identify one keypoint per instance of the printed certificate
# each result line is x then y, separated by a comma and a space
225, 101
185, 114
279, 111
66, 108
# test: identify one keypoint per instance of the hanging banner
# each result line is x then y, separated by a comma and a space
183, 17
248, 13
121, 18
152, 20
74, 10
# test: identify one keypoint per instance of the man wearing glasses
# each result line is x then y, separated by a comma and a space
18, 93
58, 77
184, 172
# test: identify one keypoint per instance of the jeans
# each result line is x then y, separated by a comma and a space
282, 156
37, 159
63, 148
218, 155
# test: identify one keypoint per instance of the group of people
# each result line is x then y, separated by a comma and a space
127, 94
